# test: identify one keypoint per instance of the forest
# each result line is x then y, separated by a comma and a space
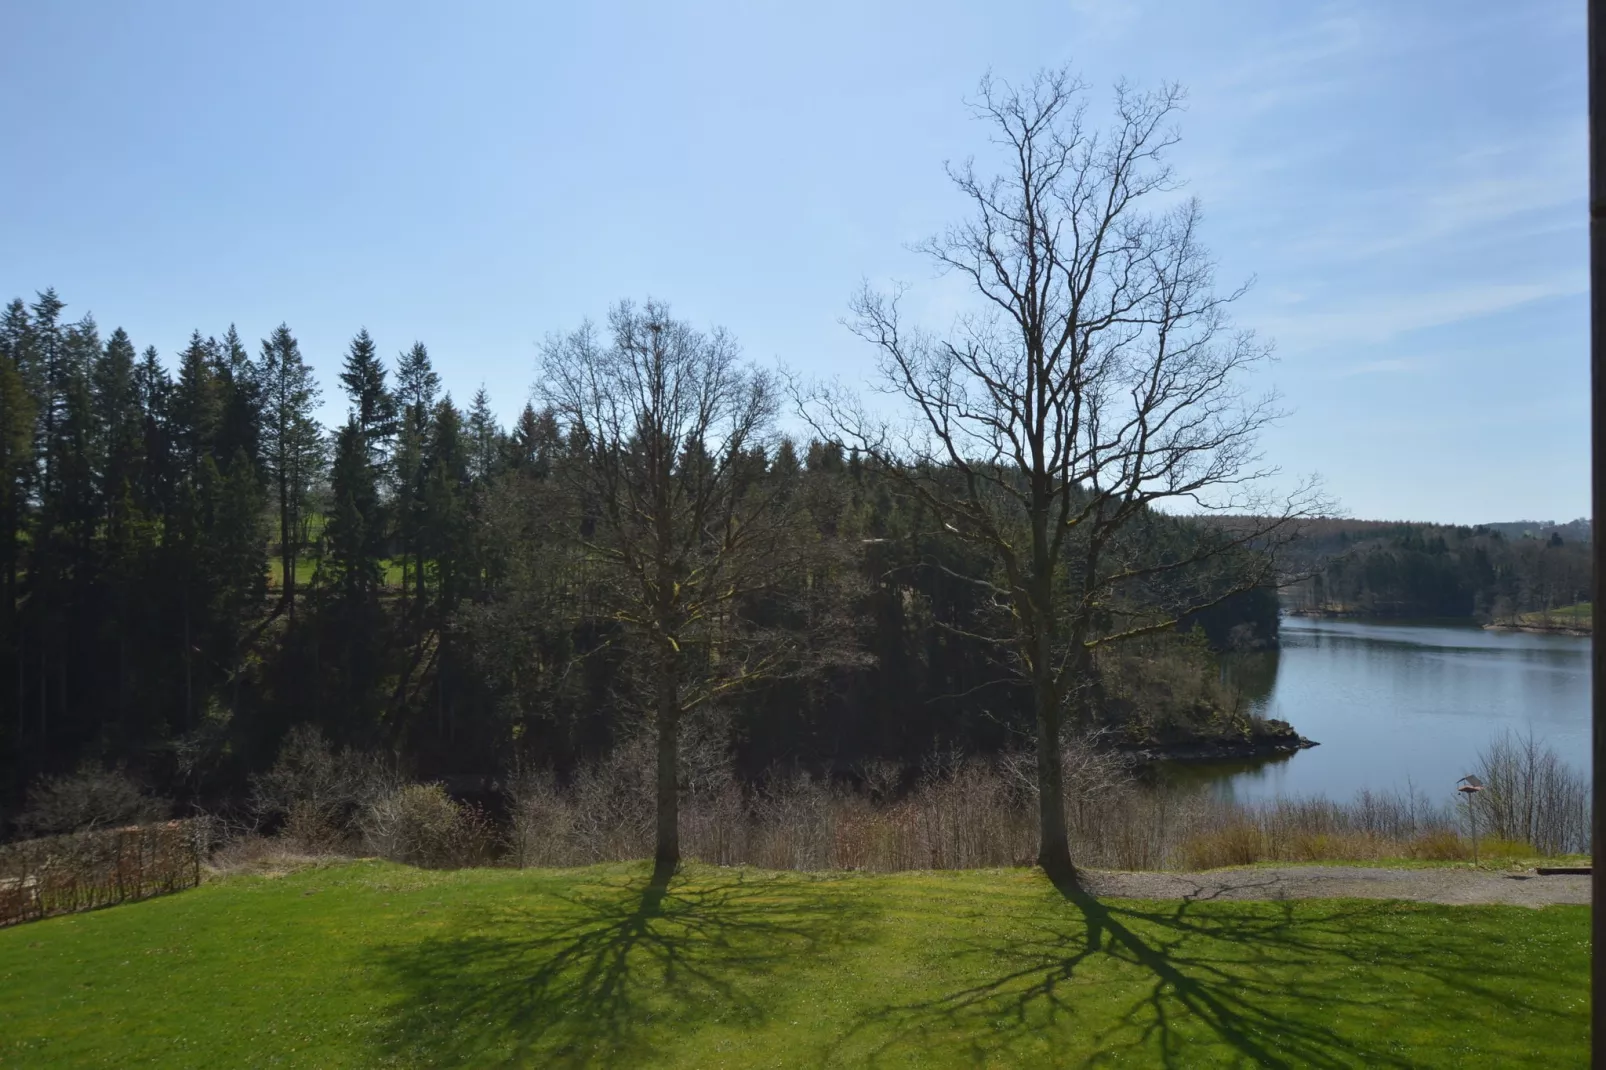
1488, 573
193, 565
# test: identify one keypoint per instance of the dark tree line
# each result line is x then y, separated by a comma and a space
192, 565
1432, 570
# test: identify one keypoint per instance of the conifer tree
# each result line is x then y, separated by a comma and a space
16, 467
240, 429
355, 536
292, 445
152, 389
416, 386
43, 372
118, 421
484, 438
372, 405
197, 409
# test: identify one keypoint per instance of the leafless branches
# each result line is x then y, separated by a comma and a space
1099, 380
679, 521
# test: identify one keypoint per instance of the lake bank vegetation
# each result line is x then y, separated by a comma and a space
950, 812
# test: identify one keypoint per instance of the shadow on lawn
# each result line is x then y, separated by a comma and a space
599, 978
1265, 981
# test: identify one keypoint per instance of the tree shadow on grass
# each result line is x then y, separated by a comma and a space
1263, 984
605, 974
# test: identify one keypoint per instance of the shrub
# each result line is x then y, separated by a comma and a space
540, 821
317, 793
1438, 845
90, 798
423, 826
1237, 844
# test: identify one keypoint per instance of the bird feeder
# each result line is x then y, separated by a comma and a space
1469, 786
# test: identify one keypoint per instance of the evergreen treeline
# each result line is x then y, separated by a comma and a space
1429, 570
192, 565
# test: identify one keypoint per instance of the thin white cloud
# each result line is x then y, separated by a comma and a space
1375, 319
1381, 367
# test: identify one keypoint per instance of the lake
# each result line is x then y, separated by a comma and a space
1393, 704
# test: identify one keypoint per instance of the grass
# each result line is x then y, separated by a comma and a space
1580, 615
376, 964
305, 567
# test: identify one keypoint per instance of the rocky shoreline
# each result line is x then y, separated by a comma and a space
1274, 738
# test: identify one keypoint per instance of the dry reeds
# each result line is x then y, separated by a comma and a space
958, 812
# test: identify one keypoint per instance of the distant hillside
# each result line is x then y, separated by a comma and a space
1572, 531
1493, 573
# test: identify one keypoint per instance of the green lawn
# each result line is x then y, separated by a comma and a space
1580, 615
306, 566
372, 963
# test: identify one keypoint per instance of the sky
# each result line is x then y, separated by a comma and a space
1405, 183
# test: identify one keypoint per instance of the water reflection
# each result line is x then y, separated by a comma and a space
1397, 705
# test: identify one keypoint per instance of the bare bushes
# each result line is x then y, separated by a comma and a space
90, 798
1530, 795
952, 812
317, 795
962, 813
421, 825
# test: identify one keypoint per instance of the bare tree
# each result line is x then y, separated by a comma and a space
676, 518
1099, 380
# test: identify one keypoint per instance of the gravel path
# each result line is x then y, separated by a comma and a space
1453, 886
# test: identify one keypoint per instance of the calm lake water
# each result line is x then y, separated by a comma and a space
1398, 703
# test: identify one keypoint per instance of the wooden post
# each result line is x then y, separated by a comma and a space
1597, 376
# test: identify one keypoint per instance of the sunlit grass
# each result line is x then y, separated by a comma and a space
377, 964
393, 572
1580, 615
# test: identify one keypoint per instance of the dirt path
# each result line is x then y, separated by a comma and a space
1453, 886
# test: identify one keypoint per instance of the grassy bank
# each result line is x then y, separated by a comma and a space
1579, 617
372, 963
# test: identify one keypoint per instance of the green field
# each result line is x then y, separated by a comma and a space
377, 964
305, 567
1580, 615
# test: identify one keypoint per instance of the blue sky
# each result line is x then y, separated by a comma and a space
1405, 182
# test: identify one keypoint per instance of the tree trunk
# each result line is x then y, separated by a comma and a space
666, 858
189, 678
1053, 842
287, 550
44, 684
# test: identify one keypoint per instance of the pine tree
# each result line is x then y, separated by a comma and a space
416, 386
16, 469
372, 405
240, 430
484, 438
74, 453
355, 536
442, 537
197, 409
118, 421
292, 445
445, 491
44, 374
152, 390
534, 439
